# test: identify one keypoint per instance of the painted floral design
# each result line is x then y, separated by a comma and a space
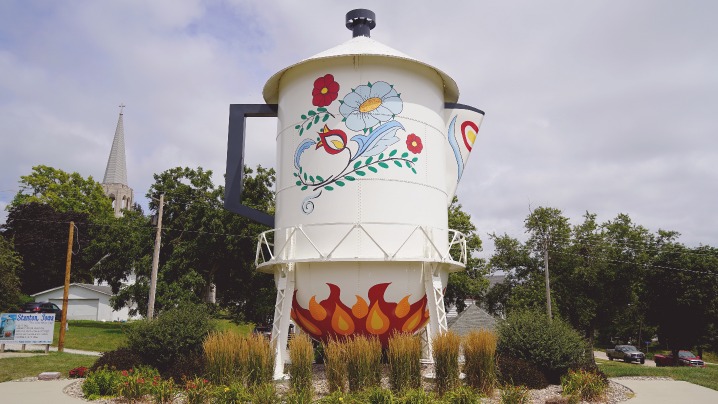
371, 104
369, 110
413, 143
326, 90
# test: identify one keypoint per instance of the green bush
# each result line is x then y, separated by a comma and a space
518, 372
119, 359
551, 345
585, 385
174, 333
462, 395
418, 396
511, 394
101, 382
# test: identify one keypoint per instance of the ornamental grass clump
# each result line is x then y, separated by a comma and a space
511, 394
480, 360
335, 365
584, 385
363, 357
224, 352
446, 361
404, 362
260, 360
301, 354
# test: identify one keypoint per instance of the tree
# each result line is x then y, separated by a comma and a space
64, 192
682, 298
470, 283
40, 234
203, 245
10, 266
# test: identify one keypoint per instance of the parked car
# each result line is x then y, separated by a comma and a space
263, 330
685, 358
626, 353
42, 307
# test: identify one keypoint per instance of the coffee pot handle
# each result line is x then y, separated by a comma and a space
234, 178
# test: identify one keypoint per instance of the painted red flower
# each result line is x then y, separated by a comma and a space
325, 91
413, 143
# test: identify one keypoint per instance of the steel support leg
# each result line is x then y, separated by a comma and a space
435, 299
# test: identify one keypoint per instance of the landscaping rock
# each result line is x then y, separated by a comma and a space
49, 376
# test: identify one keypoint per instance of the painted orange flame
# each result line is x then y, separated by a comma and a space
402, 309
316, 310
360, 308
342, 322
331, 318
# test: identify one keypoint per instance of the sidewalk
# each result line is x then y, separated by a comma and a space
37, 392
16, 348
667, 392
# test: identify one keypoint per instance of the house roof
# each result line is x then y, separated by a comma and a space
471, 319
106, 290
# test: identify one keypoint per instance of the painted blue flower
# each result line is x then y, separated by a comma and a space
368, 105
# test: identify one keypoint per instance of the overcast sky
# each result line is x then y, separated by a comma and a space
601, 106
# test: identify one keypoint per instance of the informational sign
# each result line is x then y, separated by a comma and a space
27, 328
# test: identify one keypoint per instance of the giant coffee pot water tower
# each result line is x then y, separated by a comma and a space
371, 145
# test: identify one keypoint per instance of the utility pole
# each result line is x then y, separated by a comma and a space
155, 261
66, 292
548, 287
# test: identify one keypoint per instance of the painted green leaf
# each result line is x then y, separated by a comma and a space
304, 116
301, 131
329, 188
316, 119
299, 183
412, 170
403, 155
311, 178
357, 164
304, 188
297, 127
369, 160
408, 164
369, 84
340, 183
322, 109
309, 125
372, 169
393, 152
319, 178
361, 173
415, 159
398, 163
305, 176
381, 156
326, 118
300, 170
383, 165
311, 113
296, 175
349, 178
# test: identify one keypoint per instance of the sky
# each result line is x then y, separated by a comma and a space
602, 106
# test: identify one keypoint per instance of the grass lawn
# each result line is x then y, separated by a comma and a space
225, 325
16, 368
92, 335
706, 377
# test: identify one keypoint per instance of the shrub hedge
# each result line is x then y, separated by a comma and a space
550, 345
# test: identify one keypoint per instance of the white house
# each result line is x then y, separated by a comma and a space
85, 302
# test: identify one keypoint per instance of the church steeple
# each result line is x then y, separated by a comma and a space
115, 180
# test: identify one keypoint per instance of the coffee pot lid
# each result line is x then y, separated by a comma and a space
360, 22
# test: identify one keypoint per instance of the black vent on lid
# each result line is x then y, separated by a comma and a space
361, 22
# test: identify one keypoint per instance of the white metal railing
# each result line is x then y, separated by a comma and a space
269, 253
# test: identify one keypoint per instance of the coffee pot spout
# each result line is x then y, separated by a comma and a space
462, 127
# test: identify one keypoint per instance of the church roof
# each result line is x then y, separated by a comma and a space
473, 318
116, 171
